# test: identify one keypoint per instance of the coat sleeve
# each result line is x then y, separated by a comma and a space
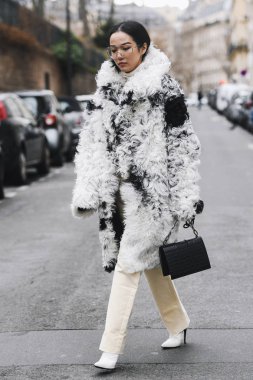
183, 154
87, 163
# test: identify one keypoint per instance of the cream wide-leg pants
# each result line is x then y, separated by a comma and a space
123, 290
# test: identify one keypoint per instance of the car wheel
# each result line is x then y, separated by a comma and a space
1, 191
70, 154
58, 159
1, 188
1, 179
44, 166
19, 174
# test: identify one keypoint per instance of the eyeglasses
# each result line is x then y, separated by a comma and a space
123, 50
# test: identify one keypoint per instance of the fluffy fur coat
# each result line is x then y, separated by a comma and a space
137, 128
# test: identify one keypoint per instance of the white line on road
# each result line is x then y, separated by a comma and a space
10, 194
250, 146
23, 188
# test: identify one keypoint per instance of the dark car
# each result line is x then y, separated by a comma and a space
246, 112
211, 98
1, 172
234, 112
73, 114
24, 143
44, 106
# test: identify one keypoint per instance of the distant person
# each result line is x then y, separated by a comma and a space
200, 97
136, 163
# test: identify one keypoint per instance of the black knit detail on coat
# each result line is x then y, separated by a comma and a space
176, 113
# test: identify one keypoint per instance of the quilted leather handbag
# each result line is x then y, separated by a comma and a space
185, 257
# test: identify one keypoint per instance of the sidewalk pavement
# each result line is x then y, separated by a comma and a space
209, 354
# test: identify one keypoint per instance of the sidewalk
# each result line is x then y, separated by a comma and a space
209, 354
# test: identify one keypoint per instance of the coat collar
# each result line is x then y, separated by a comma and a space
145, 80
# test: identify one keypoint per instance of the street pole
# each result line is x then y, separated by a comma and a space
68, 50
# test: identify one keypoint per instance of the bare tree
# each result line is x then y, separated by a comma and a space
83, 15
39, 7
112, 9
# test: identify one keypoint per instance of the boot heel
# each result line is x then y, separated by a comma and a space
185, 330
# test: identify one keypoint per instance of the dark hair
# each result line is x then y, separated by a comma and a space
134, 29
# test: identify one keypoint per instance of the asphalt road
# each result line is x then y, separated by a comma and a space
54, 292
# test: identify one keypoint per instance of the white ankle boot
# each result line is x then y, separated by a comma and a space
175, 340
107, 361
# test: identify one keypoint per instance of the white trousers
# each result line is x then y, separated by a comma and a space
124, 287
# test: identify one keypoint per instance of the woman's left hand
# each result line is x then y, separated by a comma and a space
199, 206
110, 266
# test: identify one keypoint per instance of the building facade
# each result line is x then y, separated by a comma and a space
240, 43
202, 54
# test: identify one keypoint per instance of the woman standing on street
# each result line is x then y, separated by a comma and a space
137, 165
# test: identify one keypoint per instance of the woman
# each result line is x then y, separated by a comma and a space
137, 165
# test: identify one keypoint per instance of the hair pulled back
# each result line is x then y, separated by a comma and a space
134, 29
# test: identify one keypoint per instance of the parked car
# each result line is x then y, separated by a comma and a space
225, 93
234, 112
24, 143
73, 113
247, 112
212, 98
84, 99
1, 172
192, 99
44, 106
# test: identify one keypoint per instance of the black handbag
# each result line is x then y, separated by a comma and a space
185, 257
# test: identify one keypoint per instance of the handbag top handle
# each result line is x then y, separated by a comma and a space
187, 224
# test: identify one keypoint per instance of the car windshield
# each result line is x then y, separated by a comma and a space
69, 104
36, 104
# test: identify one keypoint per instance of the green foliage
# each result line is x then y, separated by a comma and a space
77, 53
102, 32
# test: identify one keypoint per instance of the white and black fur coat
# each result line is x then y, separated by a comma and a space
137, 128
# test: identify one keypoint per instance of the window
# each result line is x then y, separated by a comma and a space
12, 108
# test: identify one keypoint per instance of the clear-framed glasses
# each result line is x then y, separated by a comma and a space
123, 50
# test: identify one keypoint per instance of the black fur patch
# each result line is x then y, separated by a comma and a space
103, 205
117, 218
156, 99
109, 93
102, 224
128, 100
182, 134
137, 181
176, 113
91, 106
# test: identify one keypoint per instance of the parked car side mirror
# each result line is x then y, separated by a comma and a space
68, 109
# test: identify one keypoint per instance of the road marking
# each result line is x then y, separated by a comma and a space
250, 146
10, 194
23, 188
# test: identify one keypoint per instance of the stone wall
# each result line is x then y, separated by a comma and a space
26, 65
